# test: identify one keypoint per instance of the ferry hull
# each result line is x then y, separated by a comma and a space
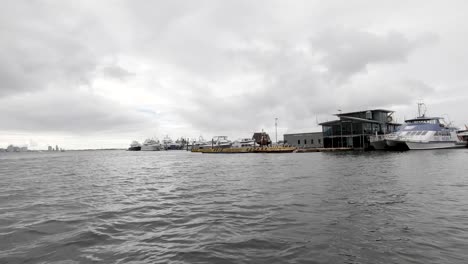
396, 145
379, 145
432, 145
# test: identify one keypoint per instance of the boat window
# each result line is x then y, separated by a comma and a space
418, 133
436, 133
424, 133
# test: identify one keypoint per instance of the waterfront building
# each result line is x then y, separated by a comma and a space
354, 129
304, 140
49, 148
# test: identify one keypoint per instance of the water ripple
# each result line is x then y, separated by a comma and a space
181, 207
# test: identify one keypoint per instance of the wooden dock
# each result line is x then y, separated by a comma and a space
246, 150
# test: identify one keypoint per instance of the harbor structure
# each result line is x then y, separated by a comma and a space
262, 139
304, 140
353, 129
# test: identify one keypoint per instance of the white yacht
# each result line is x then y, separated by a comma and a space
243, 142
151, 145
168, 144
463, 135
201, 143
425, 133
221, 142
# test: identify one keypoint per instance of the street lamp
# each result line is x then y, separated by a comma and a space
341, 129
276, 130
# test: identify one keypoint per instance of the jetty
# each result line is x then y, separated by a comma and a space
272, 149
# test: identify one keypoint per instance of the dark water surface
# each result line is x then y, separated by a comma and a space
181, 207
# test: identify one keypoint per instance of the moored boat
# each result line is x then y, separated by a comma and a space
168, 144
425, 133
151, 145
244, 142
135, 146
221, 142
463, 136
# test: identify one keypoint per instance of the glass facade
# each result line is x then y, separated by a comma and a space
354, 129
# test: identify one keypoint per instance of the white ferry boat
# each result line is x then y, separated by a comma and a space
425, 133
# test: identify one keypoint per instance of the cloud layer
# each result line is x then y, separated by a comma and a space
131, 69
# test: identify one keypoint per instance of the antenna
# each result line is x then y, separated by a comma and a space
420, 109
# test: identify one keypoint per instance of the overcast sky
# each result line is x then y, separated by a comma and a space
99, 74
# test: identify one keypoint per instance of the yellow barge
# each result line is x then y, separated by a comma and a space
278, 149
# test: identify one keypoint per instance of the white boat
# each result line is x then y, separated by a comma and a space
168, 144
201, 143
425, 133
463, 135
243, 142
221, 142
151, 145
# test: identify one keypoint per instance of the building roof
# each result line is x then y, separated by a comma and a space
363, 120
372, 110
351, 118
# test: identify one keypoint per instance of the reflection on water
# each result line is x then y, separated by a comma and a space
161, 207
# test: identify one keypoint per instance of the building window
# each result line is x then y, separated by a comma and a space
305, 141
320, 142
312, 141
298, 141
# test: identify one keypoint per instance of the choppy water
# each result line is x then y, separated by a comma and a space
181, 207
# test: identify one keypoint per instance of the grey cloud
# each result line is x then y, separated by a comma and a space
386, 95
117, 72
68, 111
40, 49
346, 52
285, 61
292, 85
